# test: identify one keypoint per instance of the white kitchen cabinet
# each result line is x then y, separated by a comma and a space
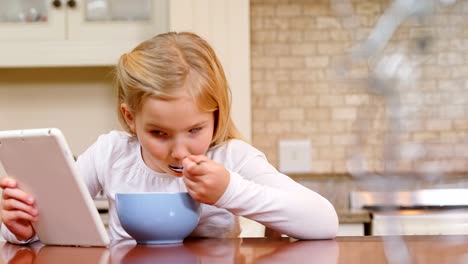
76, 32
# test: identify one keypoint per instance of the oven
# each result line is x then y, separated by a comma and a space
419, 212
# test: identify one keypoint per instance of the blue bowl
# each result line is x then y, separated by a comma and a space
157, 218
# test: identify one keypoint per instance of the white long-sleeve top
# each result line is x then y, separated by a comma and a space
256, 190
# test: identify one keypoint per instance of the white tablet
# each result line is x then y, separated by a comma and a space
42, 163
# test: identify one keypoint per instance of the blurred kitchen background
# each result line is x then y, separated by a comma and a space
342, 95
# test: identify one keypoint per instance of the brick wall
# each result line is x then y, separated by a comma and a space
303, 87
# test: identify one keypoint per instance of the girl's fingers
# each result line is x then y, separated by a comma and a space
15, 205
17, 194
188, 162
189, 183
191, 186
195, 168
6, 182
195, 158
14, 216
194, 190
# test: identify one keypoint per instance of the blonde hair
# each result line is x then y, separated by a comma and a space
160, 66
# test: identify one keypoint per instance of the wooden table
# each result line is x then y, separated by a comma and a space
415, 249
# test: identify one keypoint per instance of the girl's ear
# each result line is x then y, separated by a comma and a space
128, 116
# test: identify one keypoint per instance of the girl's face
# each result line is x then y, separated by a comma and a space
169, 131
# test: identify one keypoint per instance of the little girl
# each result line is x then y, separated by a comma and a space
174, 103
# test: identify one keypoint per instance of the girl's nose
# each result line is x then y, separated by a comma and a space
179, 151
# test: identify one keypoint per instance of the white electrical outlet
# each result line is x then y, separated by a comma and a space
295, 156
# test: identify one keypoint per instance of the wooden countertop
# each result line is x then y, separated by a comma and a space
419, 249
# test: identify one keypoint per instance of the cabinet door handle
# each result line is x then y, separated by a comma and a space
57, 3
71, 3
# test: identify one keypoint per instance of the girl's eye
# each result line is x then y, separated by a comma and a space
158, 133
195, 130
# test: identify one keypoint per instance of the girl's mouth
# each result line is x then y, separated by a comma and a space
176, 169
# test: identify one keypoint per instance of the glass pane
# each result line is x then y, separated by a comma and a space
118, 10
23, 11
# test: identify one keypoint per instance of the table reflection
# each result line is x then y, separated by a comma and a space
207, 250
320, 251
191, 251
38, 253
228, 251
22, 255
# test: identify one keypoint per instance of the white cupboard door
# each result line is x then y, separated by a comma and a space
31, 20
116, 21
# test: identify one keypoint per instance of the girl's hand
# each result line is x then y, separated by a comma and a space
205, 179
18, 209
